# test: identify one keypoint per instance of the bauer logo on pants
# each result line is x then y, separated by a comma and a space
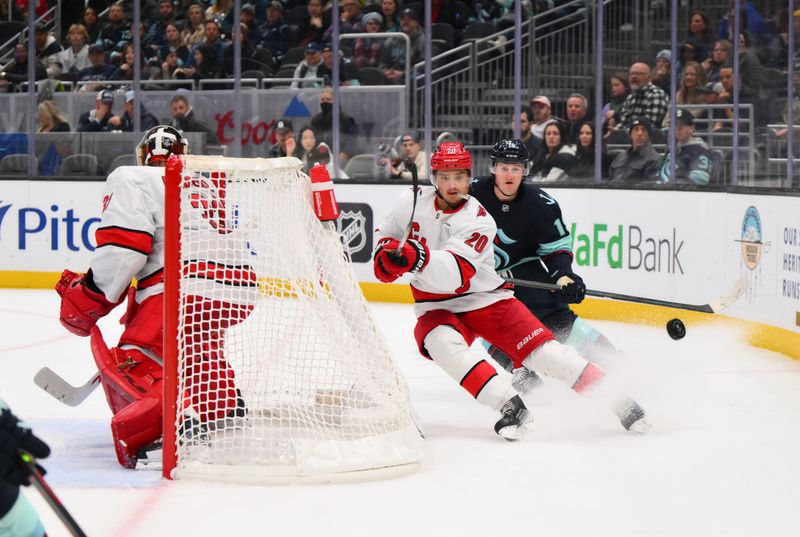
355, 229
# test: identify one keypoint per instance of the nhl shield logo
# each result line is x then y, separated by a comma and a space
355, 230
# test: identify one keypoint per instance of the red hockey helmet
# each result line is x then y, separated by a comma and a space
450, 156
158, 144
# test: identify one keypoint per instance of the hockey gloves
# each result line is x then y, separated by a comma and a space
81, 307
573, 290
389, 265
14, 436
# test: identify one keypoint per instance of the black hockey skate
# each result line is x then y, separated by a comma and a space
525, 380
632, 416
515, 419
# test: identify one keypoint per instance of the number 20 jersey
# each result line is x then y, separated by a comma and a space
460, 274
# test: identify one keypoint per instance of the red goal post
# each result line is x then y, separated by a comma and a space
274, 368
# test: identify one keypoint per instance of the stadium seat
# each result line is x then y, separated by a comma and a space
10, 30
296, 15
293, 56
362, 166
443, 31
371, 76
618, 137
476, 30
82, 164
122, 160
16, 164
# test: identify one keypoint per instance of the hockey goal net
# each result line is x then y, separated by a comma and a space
275, 370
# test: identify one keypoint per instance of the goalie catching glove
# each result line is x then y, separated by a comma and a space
390, 265
81, 306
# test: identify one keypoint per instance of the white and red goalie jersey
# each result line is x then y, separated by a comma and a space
130, 239
459, 275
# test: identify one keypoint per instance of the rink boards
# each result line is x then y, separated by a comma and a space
680, 246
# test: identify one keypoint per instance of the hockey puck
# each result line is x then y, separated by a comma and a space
676, 329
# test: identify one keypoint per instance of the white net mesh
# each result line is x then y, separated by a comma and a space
281, 369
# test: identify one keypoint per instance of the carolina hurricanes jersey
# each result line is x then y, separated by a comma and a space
130, 239
460, 273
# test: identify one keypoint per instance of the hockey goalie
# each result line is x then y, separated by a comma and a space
130, 244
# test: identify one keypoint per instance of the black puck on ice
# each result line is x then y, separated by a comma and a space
676, 329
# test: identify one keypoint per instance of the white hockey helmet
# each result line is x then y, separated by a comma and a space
158, 144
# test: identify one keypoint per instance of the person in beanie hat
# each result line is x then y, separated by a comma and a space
694, 163
640, 162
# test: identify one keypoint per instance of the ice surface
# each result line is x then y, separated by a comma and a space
721, 460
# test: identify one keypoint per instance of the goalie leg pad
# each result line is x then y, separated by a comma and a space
559, 361
144, 325
136, 426
127, 375
450, 351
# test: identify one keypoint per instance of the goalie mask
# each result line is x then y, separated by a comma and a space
510, 151
158, 144
450, 156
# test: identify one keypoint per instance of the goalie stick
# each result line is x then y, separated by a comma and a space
714, 307
49, 496
70, 395
414, 185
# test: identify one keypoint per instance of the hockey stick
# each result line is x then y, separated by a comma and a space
62, 390
415, 185
714, 307
49, 496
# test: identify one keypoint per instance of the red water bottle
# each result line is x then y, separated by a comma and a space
325, 206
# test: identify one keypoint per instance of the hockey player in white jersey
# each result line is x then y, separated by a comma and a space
130, 243
459, 296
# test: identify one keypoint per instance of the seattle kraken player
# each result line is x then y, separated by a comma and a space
533, 243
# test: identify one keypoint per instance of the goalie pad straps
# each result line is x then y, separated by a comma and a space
559, 361
450, 352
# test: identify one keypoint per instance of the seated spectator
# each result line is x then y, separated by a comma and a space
253, 58
47, 49
750, 20
577, 109
125, 122
411, 151
117, 33
218, 9
693, 163
746, 96
156, 37
90, 22
96, 120
15, 72
173, 41
750, 69
660, 76
393, 55
206, 64
367, 51
487, 11
184, 119
783, 132
558, 158
170, 64
250, 25
126, 68
619, 90
584, 156
645, 100
692, 90
309, 67
778, 48
323, 124
51, 119
721, 54
700, 36
350, 20
285, 144
193, 32
390, 11
309, 151
542, 117
348, 71
640, 162
213, 38
276, 35
532, 143
687, 52
312, 29
98, 69
75, 57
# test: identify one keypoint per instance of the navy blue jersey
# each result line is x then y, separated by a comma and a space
532, 242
